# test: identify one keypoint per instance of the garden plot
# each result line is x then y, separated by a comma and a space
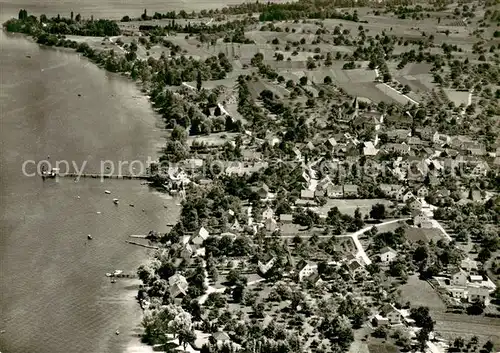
361, 75
394, 94
412, 69
457, 97
277, 89
349, 206
286, 65
367, 90
415, 85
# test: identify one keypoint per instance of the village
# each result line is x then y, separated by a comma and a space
317, 217
336, 169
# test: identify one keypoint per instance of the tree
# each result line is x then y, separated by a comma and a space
406, 89
198, 81
358, 219
422, 338
179, 134
303, 80
422, 318
378, 211
380, 332
186, 336
484, 255
238, 293
459, 343
476, 308
234, 277
488, 346
327, 80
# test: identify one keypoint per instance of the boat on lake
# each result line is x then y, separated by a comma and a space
109, 274
107, 192
116, 201
50, 174
89, 237
117, 272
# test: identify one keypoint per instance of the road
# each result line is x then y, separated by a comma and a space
354, 236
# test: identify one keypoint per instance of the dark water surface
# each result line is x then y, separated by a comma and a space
54, 297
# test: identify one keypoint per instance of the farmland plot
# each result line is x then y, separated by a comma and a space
457, 97
394, 94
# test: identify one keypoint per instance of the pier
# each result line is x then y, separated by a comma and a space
124, 275
143, 245
104, 176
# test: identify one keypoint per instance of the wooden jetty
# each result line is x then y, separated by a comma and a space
104, 176
123, 275
138, 236
143, 245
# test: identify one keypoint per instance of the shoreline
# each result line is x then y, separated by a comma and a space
134, 344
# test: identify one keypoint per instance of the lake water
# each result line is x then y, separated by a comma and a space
54, 295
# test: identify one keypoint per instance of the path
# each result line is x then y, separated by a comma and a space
354, 236
112, 40
361, 252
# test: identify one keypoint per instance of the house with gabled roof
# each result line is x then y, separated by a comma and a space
305, 269
267, 213
369, 149
263, 191
387, 254
478, 294
422, 191
221, 336
481, 169
177, 285
271, 224
356, 269
390, 190
323, 183
408, 196
414, 204
265, 263
422, 221
236, 226
350, 190
459, 277
392, 314
201, 236
334, 191
187, 252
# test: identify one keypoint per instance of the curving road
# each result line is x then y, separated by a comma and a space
354, 236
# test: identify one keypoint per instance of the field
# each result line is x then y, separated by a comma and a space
448, 325
420, 293
349, 206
